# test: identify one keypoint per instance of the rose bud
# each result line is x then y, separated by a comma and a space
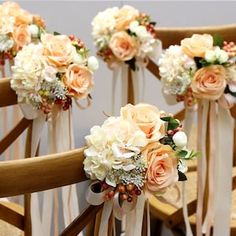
180, 139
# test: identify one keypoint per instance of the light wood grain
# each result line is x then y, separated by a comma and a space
41, 173
7, 95
173, 35
12, 214
14, 134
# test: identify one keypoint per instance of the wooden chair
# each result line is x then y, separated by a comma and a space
172, 216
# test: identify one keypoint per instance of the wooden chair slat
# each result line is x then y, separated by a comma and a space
7, 96
81, 221
177, 217
11, 216
180, 115
41, 173
14, 134
172, 36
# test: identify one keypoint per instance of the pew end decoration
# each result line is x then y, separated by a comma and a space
201, 72
141, 152
125, 40
47, 76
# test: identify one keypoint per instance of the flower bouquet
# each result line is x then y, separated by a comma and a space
200, 68
17, 29
125, 39
52, 72
202, 73
141, 152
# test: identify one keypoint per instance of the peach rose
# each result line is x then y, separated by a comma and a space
22, 35
197, 45
209, 82
162, 167
79, 81
125, 15
23, 17
123, 46
37, 20
147, 118
58, 49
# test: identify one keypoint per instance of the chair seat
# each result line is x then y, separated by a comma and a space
162, 210
8, 229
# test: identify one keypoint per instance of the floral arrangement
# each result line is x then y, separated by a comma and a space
142, 150
124, 35
202, 67
52, 72
17, 29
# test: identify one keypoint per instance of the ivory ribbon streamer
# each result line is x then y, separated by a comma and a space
223, 179
188, 122
203, 107
60, 138
211, 169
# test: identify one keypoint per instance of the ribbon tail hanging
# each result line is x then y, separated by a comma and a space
115, 76
222, 217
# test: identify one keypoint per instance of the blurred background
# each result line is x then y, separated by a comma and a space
74, 17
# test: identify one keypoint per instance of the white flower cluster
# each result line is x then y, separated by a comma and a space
112, 146
6, 42
27, 71
176, 70
216, 55
103, 26
147, 42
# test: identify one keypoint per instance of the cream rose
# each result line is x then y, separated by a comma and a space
123, 46
58, 49
209, 82
22, 35
23, 17
147, 118
79, 81
125, 15
162, 167
197, 45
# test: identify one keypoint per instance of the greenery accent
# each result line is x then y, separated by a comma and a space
172, 122
218, 40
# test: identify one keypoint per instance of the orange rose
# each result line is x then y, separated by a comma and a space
125, 15
209, 82
58, 49
123, 46
22, 35
79, 81
197, 45
147, 118
162, 167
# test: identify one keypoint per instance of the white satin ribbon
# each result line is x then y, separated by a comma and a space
223, 181
203, 107
188, 123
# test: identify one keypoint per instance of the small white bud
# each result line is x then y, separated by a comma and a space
93, 63
180, 139
34, 30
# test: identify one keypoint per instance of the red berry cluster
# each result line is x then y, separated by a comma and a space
64, 103
5, 56
187, 98
78, 41
106, 54
126, 192
230, 48
172, 132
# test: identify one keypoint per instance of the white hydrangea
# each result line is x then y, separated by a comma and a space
7, 24
111, 146
176, 70
27, 71
104, 24
6, 43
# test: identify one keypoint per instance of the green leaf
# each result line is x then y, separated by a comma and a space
56, 33
182, 153
218, 40
182, 176
167, 118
